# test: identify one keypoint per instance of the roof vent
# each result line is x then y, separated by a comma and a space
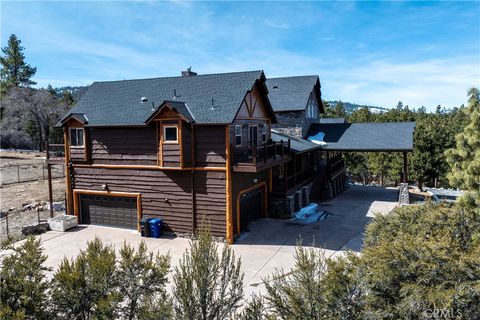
213, 105
144, 99
275, 87
188, 73
175, 95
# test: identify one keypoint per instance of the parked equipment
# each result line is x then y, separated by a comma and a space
155, 227
145, 227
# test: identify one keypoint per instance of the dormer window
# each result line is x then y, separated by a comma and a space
77, 137
170, 134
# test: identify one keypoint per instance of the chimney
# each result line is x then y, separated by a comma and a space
188, 73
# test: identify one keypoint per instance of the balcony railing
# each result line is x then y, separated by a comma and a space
261, 157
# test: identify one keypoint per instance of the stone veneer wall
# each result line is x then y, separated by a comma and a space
403, 195
294, 123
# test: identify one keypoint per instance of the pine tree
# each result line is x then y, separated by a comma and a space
465, 157
300, 295
85, 288
15, 71
23, 293
142, 278
207, 285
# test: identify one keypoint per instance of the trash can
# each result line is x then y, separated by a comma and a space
155, 227
144, 227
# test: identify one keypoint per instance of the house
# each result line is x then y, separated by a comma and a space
228, 148
310, 174
181, 148
297, 103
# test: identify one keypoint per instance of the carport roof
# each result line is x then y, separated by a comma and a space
296, 144
374, 137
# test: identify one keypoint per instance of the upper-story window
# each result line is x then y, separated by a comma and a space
264, 133
170, 134
312, 109
238, 135
77, 137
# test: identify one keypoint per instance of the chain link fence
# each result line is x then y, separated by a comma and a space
18, 173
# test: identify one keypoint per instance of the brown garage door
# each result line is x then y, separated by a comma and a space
251, 207
109, 211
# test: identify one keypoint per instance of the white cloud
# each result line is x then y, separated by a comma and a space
426, 83
275, 24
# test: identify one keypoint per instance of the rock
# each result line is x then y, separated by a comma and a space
57, 206
31, 206
34, 230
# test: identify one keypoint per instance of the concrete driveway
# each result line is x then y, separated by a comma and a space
270, 244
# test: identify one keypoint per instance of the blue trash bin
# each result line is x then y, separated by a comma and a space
155, 227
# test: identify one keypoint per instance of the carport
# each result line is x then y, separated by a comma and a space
335, 135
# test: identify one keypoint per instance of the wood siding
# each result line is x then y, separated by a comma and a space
165, 194
254, 105
210, 146
210, 195
123, 146
186, 144
77, 153
171, 154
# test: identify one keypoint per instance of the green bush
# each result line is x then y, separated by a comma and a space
207, 285
86, 287
423, 257
141, 278
23, 290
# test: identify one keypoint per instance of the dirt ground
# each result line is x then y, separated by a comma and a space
19, 194
28, 166
8, 157
24, 166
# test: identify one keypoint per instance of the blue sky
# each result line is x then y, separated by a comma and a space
376, 53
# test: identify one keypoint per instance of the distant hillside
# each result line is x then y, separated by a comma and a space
350, 107
77, 92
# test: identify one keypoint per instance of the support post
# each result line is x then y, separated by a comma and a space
49, 174
405, 176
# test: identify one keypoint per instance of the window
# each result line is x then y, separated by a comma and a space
264, 133
76, 137
312, 109
238, 135
170, 134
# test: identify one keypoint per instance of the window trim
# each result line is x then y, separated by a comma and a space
83, 138
165, 135
264, 133
239, 126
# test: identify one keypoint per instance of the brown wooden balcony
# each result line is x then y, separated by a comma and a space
266, 155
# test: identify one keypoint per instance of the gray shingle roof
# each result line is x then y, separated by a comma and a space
331, 120
118, 103
291, 93
178, 106
386, 136
296, 144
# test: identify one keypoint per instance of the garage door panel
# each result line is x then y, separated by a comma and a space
251, 207
110, 211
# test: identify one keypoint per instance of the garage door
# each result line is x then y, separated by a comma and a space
109, 211
251, 207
